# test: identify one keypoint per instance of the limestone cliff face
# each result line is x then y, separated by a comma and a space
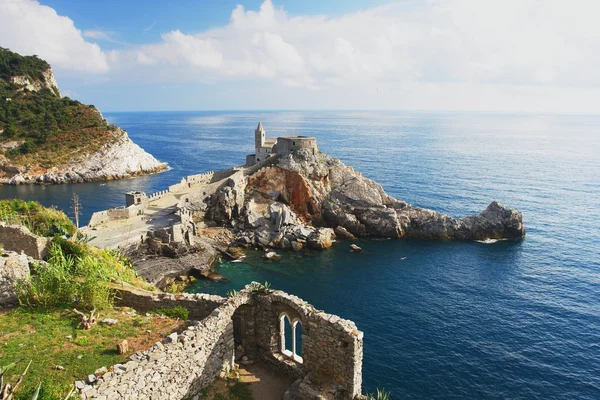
319, 191
47, 81
116, 160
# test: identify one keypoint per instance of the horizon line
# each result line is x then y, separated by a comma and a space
492, 112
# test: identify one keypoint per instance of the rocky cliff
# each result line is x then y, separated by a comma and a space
299, 200
119, 159
48, 139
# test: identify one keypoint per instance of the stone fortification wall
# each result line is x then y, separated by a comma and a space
13, 267
98, 218
287, 145
158, 195
199, 305
113, 214
18, 238
181, 365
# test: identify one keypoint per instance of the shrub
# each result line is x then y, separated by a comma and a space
37, 218
174, 312
259, 288
381, 395
76, 274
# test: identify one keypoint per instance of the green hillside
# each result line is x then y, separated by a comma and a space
47, 130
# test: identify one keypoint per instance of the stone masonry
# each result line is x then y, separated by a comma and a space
181, 365
18, 238
13, 267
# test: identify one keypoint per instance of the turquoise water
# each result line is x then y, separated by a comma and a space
441, 320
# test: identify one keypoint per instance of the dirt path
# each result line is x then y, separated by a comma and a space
266, 383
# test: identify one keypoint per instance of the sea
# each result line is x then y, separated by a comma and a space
442, 320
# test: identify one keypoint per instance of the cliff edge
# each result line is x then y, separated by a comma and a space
48, 139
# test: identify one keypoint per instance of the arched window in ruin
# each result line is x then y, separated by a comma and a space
290, 335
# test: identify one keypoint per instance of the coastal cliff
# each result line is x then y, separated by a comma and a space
48, 139
304, 199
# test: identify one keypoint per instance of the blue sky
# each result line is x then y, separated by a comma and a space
465, 55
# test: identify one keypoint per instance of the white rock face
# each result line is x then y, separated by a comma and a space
35, 84
122, 159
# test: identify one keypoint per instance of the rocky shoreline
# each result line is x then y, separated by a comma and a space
120, 159
305, 200
310, 199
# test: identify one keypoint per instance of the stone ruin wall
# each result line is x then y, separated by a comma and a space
199, 305
181, 365
13, 267
18, 238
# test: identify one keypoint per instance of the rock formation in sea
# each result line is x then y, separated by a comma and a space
299, 200
48, 139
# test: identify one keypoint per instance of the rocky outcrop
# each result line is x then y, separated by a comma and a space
295, 202
158, 262
13, 267
33, 85
119, 159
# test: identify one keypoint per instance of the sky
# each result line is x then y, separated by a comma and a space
433, 55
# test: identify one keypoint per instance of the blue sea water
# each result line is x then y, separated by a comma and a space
441, 320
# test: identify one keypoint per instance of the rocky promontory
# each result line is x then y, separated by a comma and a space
119, 159
308, 199
46, 138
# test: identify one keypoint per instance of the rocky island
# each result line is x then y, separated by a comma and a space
46, 138
289, 195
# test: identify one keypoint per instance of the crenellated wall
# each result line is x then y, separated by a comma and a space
249, 323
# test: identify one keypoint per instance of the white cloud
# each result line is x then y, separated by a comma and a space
470, 41
416, 54
30, 28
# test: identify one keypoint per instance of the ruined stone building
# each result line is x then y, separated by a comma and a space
282, 146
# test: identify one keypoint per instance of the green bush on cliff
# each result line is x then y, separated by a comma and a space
12, 64
76, 275
39, 219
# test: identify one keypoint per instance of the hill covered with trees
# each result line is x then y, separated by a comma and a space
40, 131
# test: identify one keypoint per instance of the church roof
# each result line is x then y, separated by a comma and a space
259, 127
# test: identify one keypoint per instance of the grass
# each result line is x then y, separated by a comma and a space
227, 390
37, 218
77, 274
43, 336
173, 312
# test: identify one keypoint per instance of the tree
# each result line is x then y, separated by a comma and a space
76, 207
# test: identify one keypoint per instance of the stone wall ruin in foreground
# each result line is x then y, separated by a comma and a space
183, 364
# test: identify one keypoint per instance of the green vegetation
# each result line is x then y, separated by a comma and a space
174, 312
77, 274
260, 288
381, 395
12, 64
53, 338
7, 391
40, 220
228, 390
49, 130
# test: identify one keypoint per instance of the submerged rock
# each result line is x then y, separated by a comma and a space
355, 249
